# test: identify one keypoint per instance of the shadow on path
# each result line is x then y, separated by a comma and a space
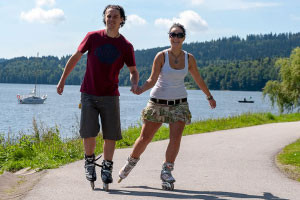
189, 194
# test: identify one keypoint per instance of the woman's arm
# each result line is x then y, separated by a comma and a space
200, 82
156, 68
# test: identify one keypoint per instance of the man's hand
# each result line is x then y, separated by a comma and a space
60, 88
134, 88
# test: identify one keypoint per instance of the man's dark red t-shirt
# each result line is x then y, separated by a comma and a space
106, 57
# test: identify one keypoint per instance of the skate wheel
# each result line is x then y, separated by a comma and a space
93, 185
167, 186
105, 187
120, 179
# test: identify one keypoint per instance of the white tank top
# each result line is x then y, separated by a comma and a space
170, 83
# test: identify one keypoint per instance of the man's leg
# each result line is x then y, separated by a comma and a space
109, 149
89, 145
111, 127
89, 128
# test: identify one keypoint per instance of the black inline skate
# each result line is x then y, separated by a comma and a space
106, 172
166, 176
90, 171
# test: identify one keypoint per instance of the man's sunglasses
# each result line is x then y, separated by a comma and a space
178, 35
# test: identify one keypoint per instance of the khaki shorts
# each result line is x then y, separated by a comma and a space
167, 113
108, 108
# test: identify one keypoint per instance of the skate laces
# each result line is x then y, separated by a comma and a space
107, 165
89, 159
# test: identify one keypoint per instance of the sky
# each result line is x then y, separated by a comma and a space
56, 27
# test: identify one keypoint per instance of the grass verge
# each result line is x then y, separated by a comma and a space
288, 160
44, 148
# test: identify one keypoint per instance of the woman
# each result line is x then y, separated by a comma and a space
168, 103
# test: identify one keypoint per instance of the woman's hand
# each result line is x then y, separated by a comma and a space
212, 103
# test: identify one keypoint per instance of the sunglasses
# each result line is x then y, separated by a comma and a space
178, 35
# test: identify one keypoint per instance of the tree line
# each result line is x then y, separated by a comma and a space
232, 63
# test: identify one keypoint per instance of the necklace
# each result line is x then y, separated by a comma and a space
176, 57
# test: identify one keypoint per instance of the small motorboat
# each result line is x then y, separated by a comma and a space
246, 101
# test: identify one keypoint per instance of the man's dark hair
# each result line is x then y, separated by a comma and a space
117, 7
179, 26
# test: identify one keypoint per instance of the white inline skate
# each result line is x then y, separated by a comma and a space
126, 169
166, 176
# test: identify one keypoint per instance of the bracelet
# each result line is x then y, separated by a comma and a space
209, 98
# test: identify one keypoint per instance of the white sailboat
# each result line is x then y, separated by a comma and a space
32, 98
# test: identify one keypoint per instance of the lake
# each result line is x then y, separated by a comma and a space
63, 110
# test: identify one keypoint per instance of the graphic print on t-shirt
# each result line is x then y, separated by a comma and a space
107, 53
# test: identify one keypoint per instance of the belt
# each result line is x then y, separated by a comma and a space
168, 102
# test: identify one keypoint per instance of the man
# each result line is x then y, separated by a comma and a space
108, 51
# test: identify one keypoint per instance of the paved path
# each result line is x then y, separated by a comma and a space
231, 164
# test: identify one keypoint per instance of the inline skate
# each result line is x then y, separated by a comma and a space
106, 172
90, 169
126, 169
166, 176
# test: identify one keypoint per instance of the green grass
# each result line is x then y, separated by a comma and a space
289, 157
44, 148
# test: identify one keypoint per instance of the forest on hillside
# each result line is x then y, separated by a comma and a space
232, 63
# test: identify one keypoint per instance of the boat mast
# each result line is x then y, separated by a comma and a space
35, 77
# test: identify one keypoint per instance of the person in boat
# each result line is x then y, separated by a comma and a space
168, 101
108, 51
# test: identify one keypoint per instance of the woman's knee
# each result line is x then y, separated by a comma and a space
146, 138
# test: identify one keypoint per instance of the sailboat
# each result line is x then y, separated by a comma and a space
32, 98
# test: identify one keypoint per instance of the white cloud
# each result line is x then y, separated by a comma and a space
192, 21
43, 16
135, 20
41, 3
233, 4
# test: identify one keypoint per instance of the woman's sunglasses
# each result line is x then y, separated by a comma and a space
178, 35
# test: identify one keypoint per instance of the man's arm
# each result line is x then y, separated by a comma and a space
134, 78
68, 68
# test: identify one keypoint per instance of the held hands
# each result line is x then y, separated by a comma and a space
135, 89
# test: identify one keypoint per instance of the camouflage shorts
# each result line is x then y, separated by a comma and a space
166, 113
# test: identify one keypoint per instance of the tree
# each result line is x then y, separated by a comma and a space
286, 92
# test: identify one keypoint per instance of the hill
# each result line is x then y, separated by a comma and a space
232, 63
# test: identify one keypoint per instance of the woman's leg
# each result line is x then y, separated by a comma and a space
176, 130
148, 131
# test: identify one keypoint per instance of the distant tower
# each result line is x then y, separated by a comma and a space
37, 54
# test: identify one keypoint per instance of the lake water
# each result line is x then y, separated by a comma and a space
63, 110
